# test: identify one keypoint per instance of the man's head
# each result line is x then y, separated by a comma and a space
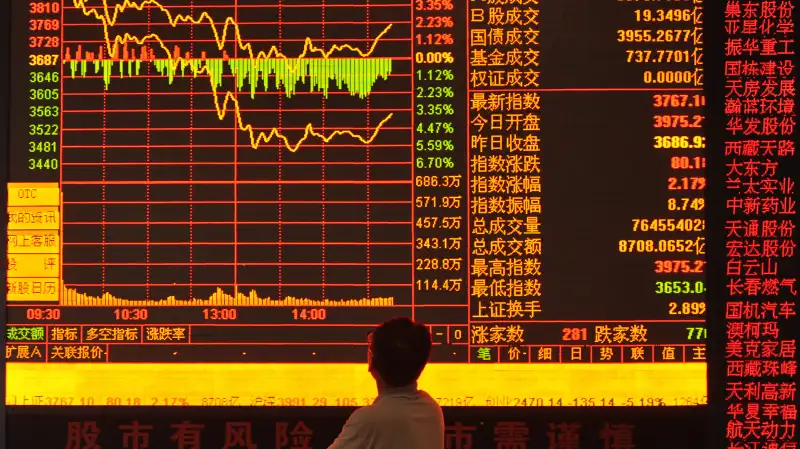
399, 349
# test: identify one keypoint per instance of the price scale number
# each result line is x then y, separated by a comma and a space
44, 86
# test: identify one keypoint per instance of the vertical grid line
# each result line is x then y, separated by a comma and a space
191, 160
147, 169
367, 159
236, 174
322, 172
280, 166
103, 193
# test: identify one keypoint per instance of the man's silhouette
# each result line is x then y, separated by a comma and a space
402, 416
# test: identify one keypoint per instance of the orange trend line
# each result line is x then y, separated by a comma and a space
108, 19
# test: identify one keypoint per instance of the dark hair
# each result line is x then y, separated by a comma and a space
400, 350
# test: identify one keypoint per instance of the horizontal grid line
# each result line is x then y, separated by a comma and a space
188, 111
206, 93
222, 163
228, 129
240, 263
231, 77
338, 39
405, 202
305, 145
167, 24
232, 285
240, 222
593, 89
237, 181
240, 243
300, 6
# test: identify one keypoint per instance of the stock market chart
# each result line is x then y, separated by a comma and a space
213, 202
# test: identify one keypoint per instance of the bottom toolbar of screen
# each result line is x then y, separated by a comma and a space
334, 384
337, 352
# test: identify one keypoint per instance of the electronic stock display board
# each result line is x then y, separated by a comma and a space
213, 202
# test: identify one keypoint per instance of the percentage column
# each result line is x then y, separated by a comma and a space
439, 165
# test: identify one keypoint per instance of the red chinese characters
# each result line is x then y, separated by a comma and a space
761, 204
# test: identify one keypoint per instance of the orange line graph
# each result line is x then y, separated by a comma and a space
109, 18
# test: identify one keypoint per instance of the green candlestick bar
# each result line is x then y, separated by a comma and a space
357, 75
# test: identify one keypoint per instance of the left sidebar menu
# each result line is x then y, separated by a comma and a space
34, 243
33, 273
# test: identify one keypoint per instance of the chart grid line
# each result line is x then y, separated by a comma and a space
354, 165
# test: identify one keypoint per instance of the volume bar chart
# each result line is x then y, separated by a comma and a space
71, 297
357, 76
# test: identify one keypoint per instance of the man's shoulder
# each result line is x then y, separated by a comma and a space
373, 412
428, 398
429, 401
370, 416
390, 408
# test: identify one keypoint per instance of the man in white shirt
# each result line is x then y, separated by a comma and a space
402, 416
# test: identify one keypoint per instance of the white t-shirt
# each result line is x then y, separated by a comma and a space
400, 418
